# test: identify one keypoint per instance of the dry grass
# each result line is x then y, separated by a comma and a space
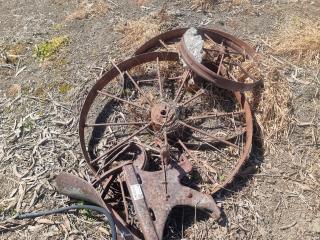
88, 9
239, 2
13, 90
136, 32
202, 4
208, 5
272, 103
299, 39
141, 2
296, 43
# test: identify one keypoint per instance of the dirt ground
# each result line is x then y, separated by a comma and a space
43, 86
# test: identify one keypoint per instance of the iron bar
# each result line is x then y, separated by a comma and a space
138, 88
121, 99
200, 93
220, 64
159, 78
224, 52
121, 143
207, 134
113, 124
184, 77
124, 199
212, 115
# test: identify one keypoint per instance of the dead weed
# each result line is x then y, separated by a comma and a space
299, 39
207, 5
136, 32
88, 9
202, 4
272, 103
295, 45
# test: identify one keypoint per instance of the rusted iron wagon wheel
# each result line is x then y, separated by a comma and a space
228, 62
153, 112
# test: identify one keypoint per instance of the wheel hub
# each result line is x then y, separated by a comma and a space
164, 114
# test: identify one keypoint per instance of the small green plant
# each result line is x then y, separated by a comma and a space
64, 88
57, 26
222, 178
47, 48
12, 212
28, 125
86, 212
25, 126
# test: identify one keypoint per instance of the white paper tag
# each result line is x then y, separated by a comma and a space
136, 192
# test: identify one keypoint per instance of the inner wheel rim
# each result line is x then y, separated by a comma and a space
231, 74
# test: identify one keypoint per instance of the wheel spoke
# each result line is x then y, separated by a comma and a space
225, 52
246, 73
238, 133
184, 77
198, 94
222, 57
110, 172
121, 100
147, 80
216, 149
208, 134
123, 149
214, 115
159, 78
139, 89
122, 142
124, 199
156, 79
165, 158
164, 45
113, 124
120, 72
228, 52
195, 158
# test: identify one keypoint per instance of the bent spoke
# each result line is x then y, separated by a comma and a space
214, 115
139, 89
194, 158
199, 93
159, 78
208, 134
113, 124
122, 142
121, 100
184, 77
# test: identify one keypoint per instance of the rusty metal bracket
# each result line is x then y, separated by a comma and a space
151, 203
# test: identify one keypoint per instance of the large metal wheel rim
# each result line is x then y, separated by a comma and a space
169, 56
